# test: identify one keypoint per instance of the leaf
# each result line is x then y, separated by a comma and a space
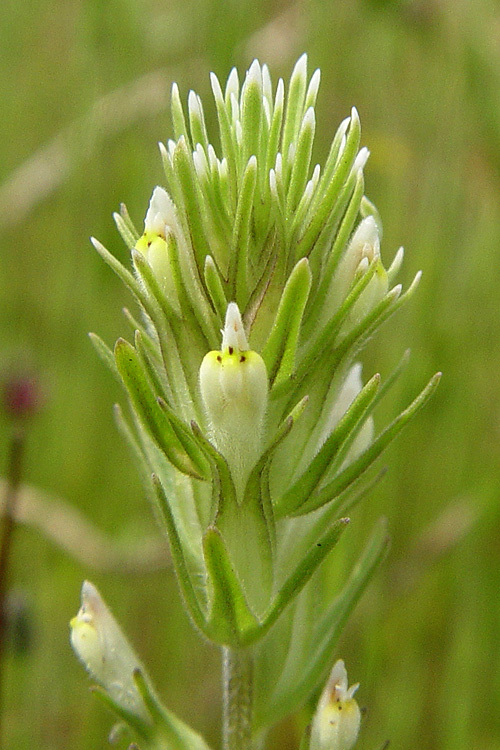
178, 557
105, 353
305, 569
175, 733
366, 459
231, 620
303, 488
280, 348
312, 658
143, 729
149, 411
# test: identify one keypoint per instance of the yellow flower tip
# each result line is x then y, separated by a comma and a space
100, 645
337, 719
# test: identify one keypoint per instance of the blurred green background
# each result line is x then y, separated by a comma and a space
84, 87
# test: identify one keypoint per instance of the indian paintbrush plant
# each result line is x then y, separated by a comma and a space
259, 279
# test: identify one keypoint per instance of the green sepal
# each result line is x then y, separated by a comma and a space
149, 411
178, 558
280, 348
366, 459
173, 733
306, 484
250, 525
301, 675
231, 620
139, 725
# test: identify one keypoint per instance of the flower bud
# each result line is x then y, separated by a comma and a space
234, 387
363, 249
348, 391
336, 721
104, 651
155, 243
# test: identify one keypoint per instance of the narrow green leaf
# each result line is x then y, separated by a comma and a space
302, 161
366, 459
300, 678
274, 130
240, 242
143, 729
230, 619
294, 106
178, 118
303, 573
148, 409
197, 121
185, 437
176, 733
128, 279
228, 145
150, 363
321, 346
193, 209
178, 558
280, 348
226, 489
303, 488
322, 210
129, 237
341, 238
105, 353
251, 111
214, 286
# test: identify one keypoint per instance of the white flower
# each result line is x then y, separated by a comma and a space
234, 388
336, 721
103, 649
160, 225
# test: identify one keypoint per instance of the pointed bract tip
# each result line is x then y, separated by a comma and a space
233, 335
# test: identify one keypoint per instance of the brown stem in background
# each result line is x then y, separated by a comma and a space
7, 527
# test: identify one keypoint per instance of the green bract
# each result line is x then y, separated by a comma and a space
254, 464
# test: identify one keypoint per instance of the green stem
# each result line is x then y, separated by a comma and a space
237, 677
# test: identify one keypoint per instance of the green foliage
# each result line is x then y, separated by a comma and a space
432, 172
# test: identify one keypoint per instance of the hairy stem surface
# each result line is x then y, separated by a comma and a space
237, 677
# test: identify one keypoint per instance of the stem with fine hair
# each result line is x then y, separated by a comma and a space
237, 677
